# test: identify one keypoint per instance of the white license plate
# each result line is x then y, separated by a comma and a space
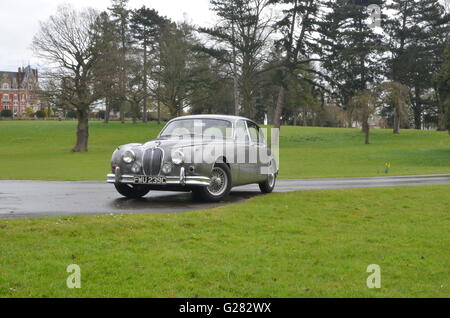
149, 180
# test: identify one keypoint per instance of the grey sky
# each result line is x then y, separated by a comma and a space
19, 20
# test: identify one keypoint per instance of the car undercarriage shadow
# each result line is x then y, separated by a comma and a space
176, 201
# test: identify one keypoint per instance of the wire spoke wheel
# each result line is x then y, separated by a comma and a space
219, 182
271, 179
269, 184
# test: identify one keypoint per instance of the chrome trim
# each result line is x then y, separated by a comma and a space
151, 159
182, 179
117, 175
170, 180
182, 176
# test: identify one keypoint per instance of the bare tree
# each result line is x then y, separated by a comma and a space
176, 74
66, 41
241, 38
364, 104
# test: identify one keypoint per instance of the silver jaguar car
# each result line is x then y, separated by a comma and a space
203, 154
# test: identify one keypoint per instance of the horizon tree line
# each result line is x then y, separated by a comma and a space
308, 62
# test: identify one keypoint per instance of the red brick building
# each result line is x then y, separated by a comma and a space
18, 90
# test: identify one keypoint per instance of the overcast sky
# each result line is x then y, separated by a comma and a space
19, 20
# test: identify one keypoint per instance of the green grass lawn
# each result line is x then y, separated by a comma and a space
300, 244
41, 150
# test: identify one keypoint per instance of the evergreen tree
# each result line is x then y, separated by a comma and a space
351, 50
121, 16
146, 27
299, 28
416, 33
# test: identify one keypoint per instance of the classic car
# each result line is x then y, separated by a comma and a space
203, 154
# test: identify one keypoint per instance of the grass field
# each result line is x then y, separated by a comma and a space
41, 150
301, 244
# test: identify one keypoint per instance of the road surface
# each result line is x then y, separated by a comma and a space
20, 199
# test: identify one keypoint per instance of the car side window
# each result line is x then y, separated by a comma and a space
241, 131
253, 130
262, 137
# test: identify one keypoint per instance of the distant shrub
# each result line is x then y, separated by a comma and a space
101, 114
71, 114
49, 112
6, 113
40, 114
29, 111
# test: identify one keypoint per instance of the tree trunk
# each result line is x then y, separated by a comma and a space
122, 112
159, 112
144, 110
417, 109
366, 130
365, 124
367, 135
349, 119
442, 117
107, 110
82, 132
305, 119
236, 94
157, 96
279, 107
247, 94
235, 76
396, 122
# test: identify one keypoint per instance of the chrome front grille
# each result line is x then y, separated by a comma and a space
152, 161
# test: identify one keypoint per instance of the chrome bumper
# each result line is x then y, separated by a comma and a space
182, 179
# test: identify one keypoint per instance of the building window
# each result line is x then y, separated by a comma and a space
15, 96
5, 86
5, 97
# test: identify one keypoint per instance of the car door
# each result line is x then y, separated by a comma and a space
257, 146
242, 142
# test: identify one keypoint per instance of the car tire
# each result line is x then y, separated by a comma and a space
269, 184
219, 188
132, 191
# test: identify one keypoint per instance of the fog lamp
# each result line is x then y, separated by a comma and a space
167, 168
136, 168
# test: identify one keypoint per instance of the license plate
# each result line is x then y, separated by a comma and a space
149, 180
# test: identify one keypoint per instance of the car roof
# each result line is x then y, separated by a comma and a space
213, 116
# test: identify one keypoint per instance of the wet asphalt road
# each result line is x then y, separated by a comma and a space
20, 199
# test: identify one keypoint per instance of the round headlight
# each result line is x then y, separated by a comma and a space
178, 157
128, 156
167, 168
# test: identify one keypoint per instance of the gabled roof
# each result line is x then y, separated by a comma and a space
9, 75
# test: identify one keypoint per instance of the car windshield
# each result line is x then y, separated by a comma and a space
198, 127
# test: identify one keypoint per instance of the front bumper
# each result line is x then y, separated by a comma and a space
182, 179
